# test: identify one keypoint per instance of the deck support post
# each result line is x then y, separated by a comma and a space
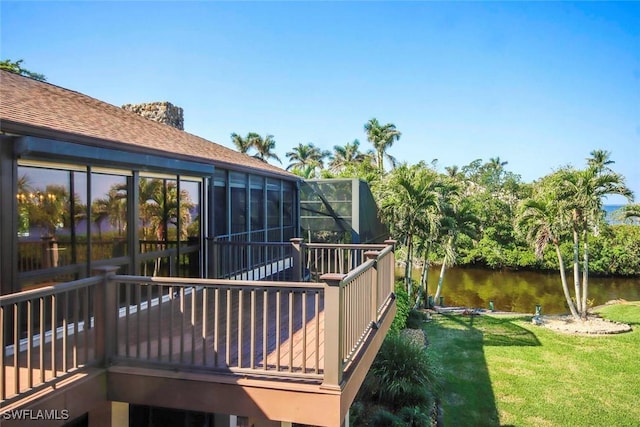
298, 258
333, 330
106, 305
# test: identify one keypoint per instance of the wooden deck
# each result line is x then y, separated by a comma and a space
207, 345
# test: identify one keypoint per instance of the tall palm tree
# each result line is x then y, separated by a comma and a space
408, 196
458, 219
583, 191
541, 219
264, 147
382, 138
306, 156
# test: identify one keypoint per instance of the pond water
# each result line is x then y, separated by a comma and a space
520, 291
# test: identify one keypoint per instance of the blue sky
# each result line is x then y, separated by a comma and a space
539, 85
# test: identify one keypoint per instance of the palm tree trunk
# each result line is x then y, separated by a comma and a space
424, 277
565, 285
440, 280
585, 275
408, 266
576, 269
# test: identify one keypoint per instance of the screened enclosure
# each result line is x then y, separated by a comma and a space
340, 211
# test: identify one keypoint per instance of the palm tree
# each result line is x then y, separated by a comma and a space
264, 147
600, 159
583, 191
458, 219
453, 171
408, 196
243, 144
306, 156
382, 138
346, 155
541, 219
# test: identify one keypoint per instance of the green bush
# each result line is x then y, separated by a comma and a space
415, 416
383, 418
403, 308
401, 375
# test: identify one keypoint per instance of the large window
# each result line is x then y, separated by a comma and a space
71, 218
63, 222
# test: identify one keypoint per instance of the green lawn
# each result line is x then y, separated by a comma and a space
505, 371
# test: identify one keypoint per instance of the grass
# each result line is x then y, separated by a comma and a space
504, 371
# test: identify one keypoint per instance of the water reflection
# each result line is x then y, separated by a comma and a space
520, 291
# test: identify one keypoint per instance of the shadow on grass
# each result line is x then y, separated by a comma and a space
459, 341
499, 331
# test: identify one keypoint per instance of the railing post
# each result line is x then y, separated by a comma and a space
298, 258
392, 277
333, 330
106, 306
373, 255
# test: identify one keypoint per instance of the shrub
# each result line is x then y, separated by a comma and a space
403, 308
383, 418
415, 416
401, 375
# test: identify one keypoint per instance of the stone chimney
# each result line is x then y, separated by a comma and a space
163, 112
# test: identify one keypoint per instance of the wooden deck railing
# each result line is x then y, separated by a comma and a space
354, 303
46, 334
297, 330
250, 260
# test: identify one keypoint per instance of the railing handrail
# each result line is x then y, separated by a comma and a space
346, 246
249, 243
48, 290
227, 283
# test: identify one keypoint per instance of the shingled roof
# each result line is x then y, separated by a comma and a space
50, 111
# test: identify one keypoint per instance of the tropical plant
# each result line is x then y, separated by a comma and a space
541, 219
382, 138
458, 218
306, 157
265, 147
409, 200
243, 145
582, 192
16, 68
628, 212
349, 154
402, 375
569, 202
